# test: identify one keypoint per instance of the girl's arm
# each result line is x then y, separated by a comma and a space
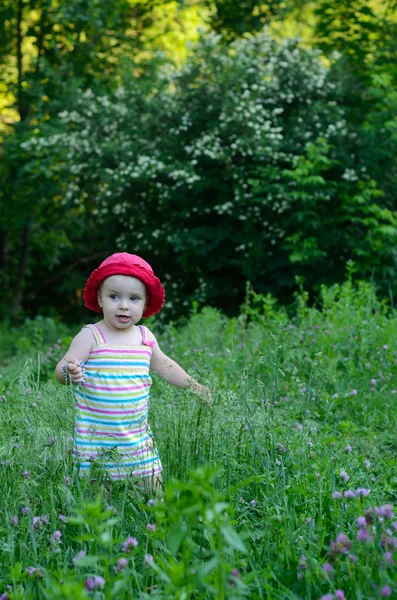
170, 371
79, 350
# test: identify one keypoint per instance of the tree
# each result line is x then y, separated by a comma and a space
241, 166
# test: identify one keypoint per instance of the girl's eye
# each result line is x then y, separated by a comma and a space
134, 298
113, 296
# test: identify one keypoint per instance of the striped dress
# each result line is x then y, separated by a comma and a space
112, 406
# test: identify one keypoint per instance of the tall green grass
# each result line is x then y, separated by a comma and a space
299, 442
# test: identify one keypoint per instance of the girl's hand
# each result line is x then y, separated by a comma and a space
203, 392
75, 371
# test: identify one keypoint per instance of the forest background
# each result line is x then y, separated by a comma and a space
223, 141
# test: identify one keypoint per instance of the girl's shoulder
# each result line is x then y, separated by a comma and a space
96, 332
148, 338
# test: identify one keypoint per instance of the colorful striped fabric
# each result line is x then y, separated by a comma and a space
112, 405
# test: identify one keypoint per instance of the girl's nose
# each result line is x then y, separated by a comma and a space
123, 305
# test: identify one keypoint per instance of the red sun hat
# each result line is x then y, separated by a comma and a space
124, 263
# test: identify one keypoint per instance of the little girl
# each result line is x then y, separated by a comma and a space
109, 364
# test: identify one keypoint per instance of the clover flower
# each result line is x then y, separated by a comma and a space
56, 536
363, 535
129, 544
343, 475
386, 591
362, 492
328, 569
81, 554
92, 583
151, 527
148, 560
361, 522
122, 563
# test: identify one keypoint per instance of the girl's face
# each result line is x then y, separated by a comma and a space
123, 300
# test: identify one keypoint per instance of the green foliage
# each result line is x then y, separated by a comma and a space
252, 174
303, 407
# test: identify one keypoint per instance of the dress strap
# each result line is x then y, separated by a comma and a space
148, 338
98, 335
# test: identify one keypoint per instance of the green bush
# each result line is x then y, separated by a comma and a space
241, 166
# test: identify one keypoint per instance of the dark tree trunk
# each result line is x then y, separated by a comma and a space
22, 108
23, 263
3, 249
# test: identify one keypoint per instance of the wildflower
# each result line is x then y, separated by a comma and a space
234, 575
33, 570
151, 527
318, 475
336, 495
388, 557
303, 562
34, 404
92, 583
385, 347
81, 554
387, 511
340, 595
388, 542
368, 365
67, 480
56, 536
362, 492
367, 463
298, 426
25, 510
386, 591
343, 475
129, 544
373, 382
327, 597
26, 474
363, 535
44, 519
395, 525
353, 393
121, 564
348, 448
148, 560
63, 518
151, 502
35, 523
282, 448
348, 494
341, 545
4, 596
241, 499
361, 522
253, 503
335, 396
14, 521
353, 558
328, 569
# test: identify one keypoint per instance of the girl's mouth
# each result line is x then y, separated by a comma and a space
123, 318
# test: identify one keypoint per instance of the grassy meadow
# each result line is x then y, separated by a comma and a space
282, 489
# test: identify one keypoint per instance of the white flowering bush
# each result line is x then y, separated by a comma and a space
240, 166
